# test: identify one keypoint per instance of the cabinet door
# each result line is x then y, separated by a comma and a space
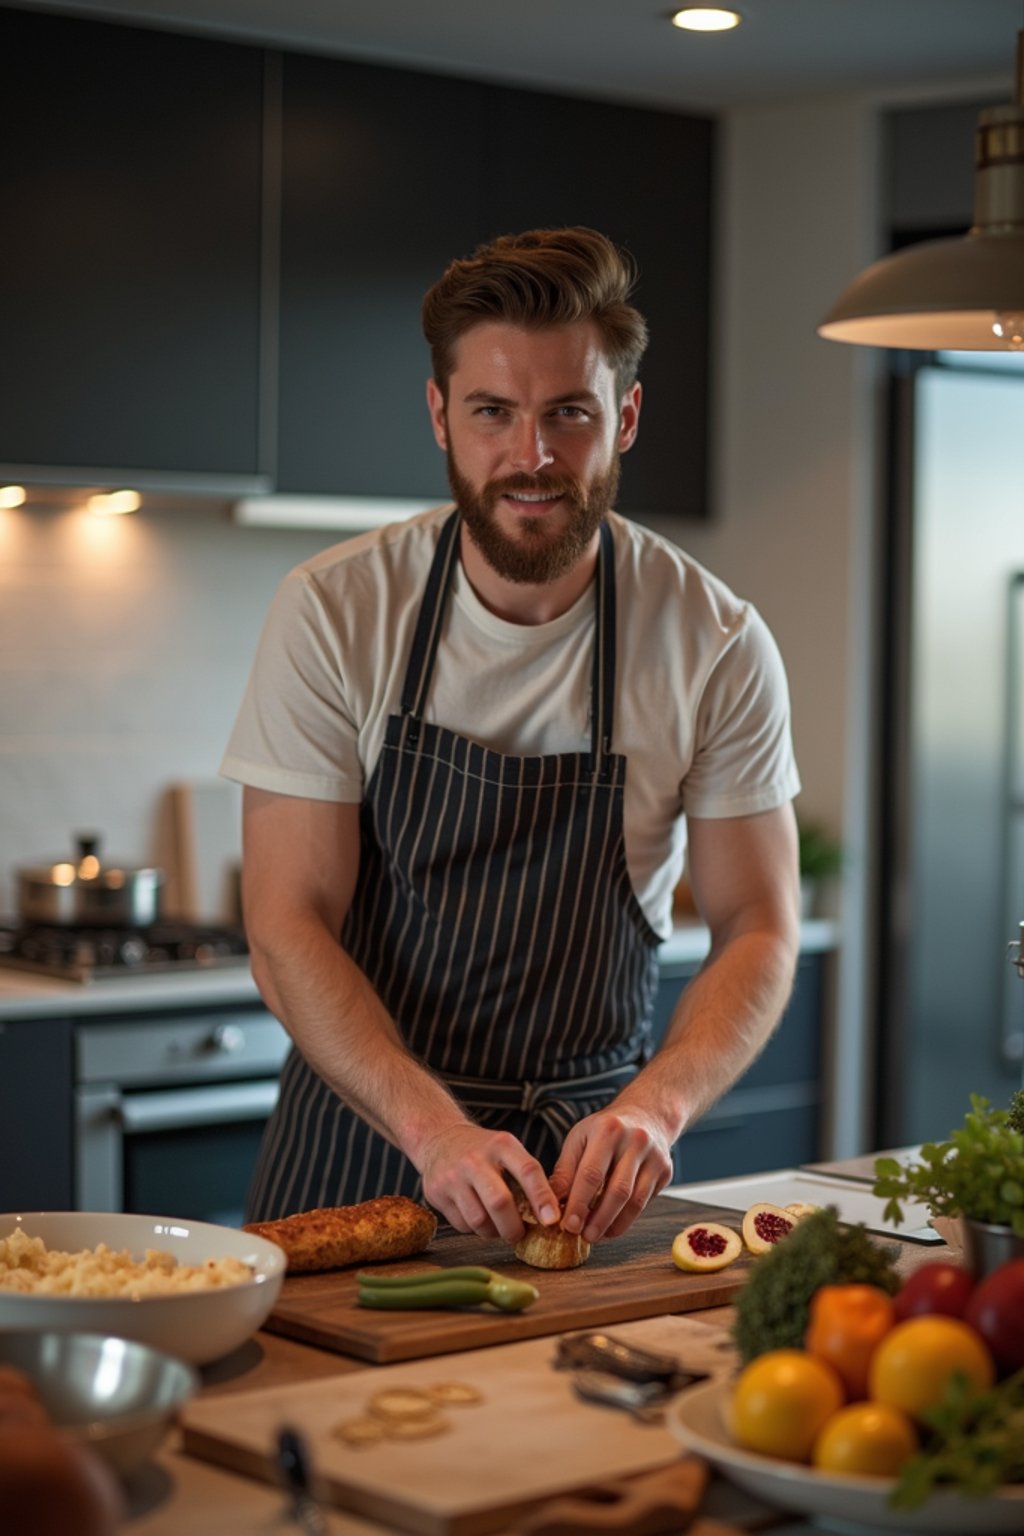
380, 191
771, 1118
643, 178
35, 1115
130, 182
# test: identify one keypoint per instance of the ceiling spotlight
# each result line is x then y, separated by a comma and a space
706, 18
12, 495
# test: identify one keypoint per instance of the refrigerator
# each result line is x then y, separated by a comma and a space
951, 1000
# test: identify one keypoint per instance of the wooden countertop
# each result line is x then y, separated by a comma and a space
176, 1492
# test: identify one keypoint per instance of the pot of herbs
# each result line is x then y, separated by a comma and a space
978, 1175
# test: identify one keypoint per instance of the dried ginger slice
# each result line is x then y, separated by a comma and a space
416, 1429
361, 1431
454, 1392
401, 1403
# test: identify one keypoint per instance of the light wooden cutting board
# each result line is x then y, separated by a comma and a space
630, 1277
529, 1440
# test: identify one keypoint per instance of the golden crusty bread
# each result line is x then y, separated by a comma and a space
389, 1227
547, 1247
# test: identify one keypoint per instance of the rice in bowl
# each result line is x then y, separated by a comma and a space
191, 1289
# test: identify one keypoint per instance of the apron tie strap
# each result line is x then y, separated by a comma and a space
556, 1102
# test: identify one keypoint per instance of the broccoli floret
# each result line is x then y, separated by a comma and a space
772, 1310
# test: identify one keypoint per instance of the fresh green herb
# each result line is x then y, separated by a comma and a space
772, 1310
1016, 1112
978, 1172
470, 1286
975, 1444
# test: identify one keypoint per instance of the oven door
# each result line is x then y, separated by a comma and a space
186, 1152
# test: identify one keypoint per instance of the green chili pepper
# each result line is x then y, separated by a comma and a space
424, 1276
466, 1287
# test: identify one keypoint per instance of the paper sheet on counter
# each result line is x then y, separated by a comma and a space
853, 1200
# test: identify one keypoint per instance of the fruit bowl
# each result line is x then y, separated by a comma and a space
696, 1418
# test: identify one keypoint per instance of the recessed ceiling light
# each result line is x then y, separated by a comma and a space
706, 18
12, 495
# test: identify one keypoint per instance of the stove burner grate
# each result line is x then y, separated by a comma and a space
82, 953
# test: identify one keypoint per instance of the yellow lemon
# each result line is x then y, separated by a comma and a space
871, 1438
782, 1401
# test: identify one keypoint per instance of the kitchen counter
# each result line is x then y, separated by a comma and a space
179, 1492
24, 994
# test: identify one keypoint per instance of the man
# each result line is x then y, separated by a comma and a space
475, 746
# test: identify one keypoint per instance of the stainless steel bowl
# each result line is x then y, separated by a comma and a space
113, 1396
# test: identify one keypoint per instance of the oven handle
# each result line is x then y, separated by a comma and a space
183, 1108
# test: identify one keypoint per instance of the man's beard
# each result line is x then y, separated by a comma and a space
538, 556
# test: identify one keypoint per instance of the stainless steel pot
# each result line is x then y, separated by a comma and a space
82, 890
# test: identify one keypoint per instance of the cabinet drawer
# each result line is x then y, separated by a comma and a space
187, 1048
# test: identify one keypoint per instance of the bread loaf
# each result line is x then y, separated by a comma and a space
389, 1227
547, 1247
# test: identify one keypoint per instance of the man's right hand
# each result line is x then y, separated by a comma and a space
463, 1170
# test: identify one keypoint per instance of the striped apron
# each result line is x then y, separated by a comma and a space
494, 916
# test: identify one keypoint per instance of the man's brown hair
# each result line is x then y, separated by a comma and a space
545, 277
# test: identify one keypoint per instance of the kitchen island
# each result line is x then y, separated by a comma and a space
179, 1491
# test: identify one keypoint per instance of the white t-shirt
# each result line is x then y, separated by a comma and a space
701, 710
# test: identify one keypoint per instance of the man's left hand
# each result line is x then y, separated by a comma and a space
611, 1165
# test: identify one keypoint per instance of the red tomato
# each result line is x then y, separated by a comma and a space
935, 1287
996, 1311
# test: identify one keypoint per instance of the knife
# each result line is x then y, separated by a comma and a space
293, 1461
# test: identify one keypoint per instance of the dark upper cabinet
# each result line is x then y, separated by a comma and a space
130, 180
215, 255
380, 190
387, 176
645, 179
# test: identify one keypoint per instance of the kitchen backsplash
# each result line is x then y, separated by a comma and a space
125, 644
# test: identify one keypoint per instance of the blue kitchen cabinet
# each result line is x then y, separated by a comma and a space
772, 1117
36, 1088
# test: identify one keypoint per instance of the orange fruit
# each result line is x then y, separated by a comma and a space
782, 1401
870, 1438
916, 1360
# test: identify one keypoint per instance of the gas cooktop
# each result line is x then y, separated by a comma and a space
81, 953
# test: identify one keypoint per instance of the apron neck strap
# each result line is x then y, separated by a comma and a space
431, 617
602, 684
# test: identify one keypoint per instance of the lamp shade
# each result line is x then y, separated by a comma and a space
942, 295
954, 295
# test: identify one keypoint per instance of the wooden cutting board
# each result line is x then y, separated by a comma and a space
530, 1439
629, 1277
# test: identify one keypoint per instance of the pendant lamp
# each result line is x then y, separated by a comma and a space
965, 294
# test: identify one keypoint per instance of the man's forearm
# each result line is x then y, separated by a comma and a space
345, 1033
722, 1020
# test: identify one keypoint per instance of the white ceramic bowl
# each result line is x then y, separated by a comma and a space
197, 1326
846, 1503
116, 1397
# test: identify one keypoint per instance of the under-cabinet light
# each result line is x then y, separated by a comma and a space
349, 514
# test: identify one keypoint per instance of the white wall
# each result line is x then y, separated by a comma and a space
125, 643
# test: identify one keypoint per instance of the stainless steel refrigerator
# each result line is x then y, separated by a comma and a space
951, 1004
